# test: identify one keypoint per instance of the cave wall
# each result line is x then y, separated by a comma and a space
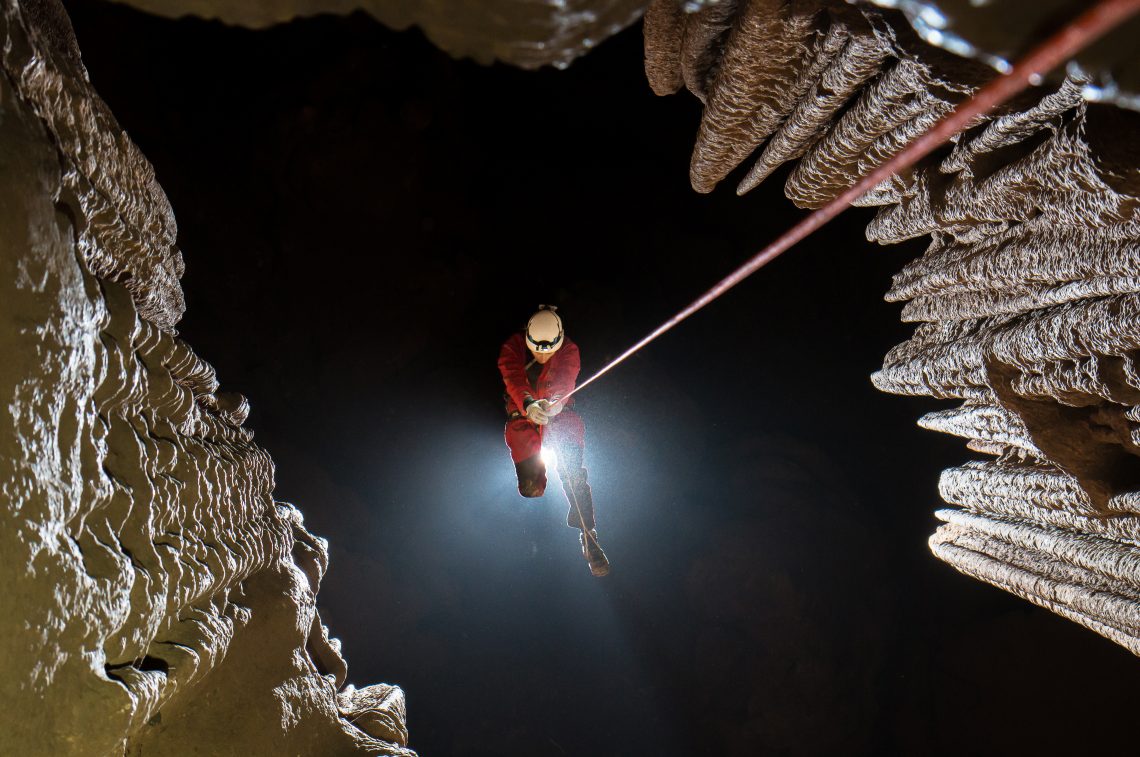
1027, 300
157, 599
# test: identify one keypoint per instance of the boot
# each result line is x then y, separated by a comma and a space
531, 474
592, 551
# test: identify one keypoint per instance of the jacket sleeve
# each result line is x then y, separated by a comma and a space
563, 374
512, 364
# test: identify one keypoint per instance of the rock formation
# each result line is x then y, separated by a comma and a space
157, 600
524, 33
1027, 299
1000, 33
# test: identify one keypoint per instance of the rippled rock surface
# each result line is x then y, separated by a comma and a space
156, 600
526, 33
1027, 300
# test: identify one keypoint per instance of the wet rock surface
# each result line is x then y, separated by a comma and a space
1026, 297
998, 33
157, 599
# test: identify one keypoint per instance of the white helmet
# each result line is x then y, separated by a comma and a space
544, 330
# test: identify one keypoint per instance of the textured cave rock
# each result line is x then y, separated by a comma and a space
156, 600
823, 82
526, 33
998, 33
1027, 300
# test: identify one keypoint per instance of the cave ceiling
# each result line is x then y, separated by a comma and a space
999, 32
520, 32
556, 32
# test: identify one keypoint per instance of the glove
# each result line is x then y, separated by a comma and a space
536, 414
551, 407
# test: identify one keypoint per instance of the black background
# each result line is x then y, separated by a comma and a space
364, 220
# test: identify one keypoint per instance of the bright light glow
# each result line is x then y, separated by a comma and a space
549, 457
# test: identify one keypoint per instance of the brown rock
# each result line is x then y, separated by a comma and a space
157, 599
1027, 299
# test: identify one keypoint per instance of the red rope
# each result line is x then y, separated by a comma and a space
1077, 34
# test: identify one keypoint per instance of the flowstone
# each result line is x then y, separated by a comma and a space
1027, 299
156, 600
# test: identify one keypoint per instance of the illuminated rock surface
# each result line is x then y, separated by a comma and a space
1027, 299
999, 32
157, 600
526, 33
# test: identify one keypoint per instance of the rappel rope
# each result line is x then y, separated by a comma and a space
1073, 37
566, 486
587, 533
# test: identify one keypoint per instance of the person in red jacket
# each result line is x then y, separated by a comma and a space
540, 366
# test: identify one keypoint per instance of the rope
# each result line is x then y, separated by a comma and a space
587, 533
571, 495
1073, 37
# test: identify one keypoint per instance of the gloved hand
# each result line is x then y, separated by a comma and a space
552, 407
536, 414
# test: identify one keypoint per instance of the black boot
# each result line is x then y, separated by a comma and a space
531, 474
592, 551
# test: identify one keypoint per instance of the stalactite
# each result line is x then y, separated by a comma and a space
775, 73
664, 29
986, 425
757, 84
1027, 300
890, 110
860, 59
703, 34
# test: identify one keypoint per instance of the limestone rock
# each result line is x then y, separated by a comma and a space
703, 32
157, 599
126, 230
663, 32
821, 81
1027, 299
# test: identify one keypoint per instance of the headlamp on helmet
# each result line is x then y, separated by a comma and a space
544, 330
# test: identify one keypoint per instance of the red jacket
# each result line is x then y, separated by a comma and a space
558, 377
